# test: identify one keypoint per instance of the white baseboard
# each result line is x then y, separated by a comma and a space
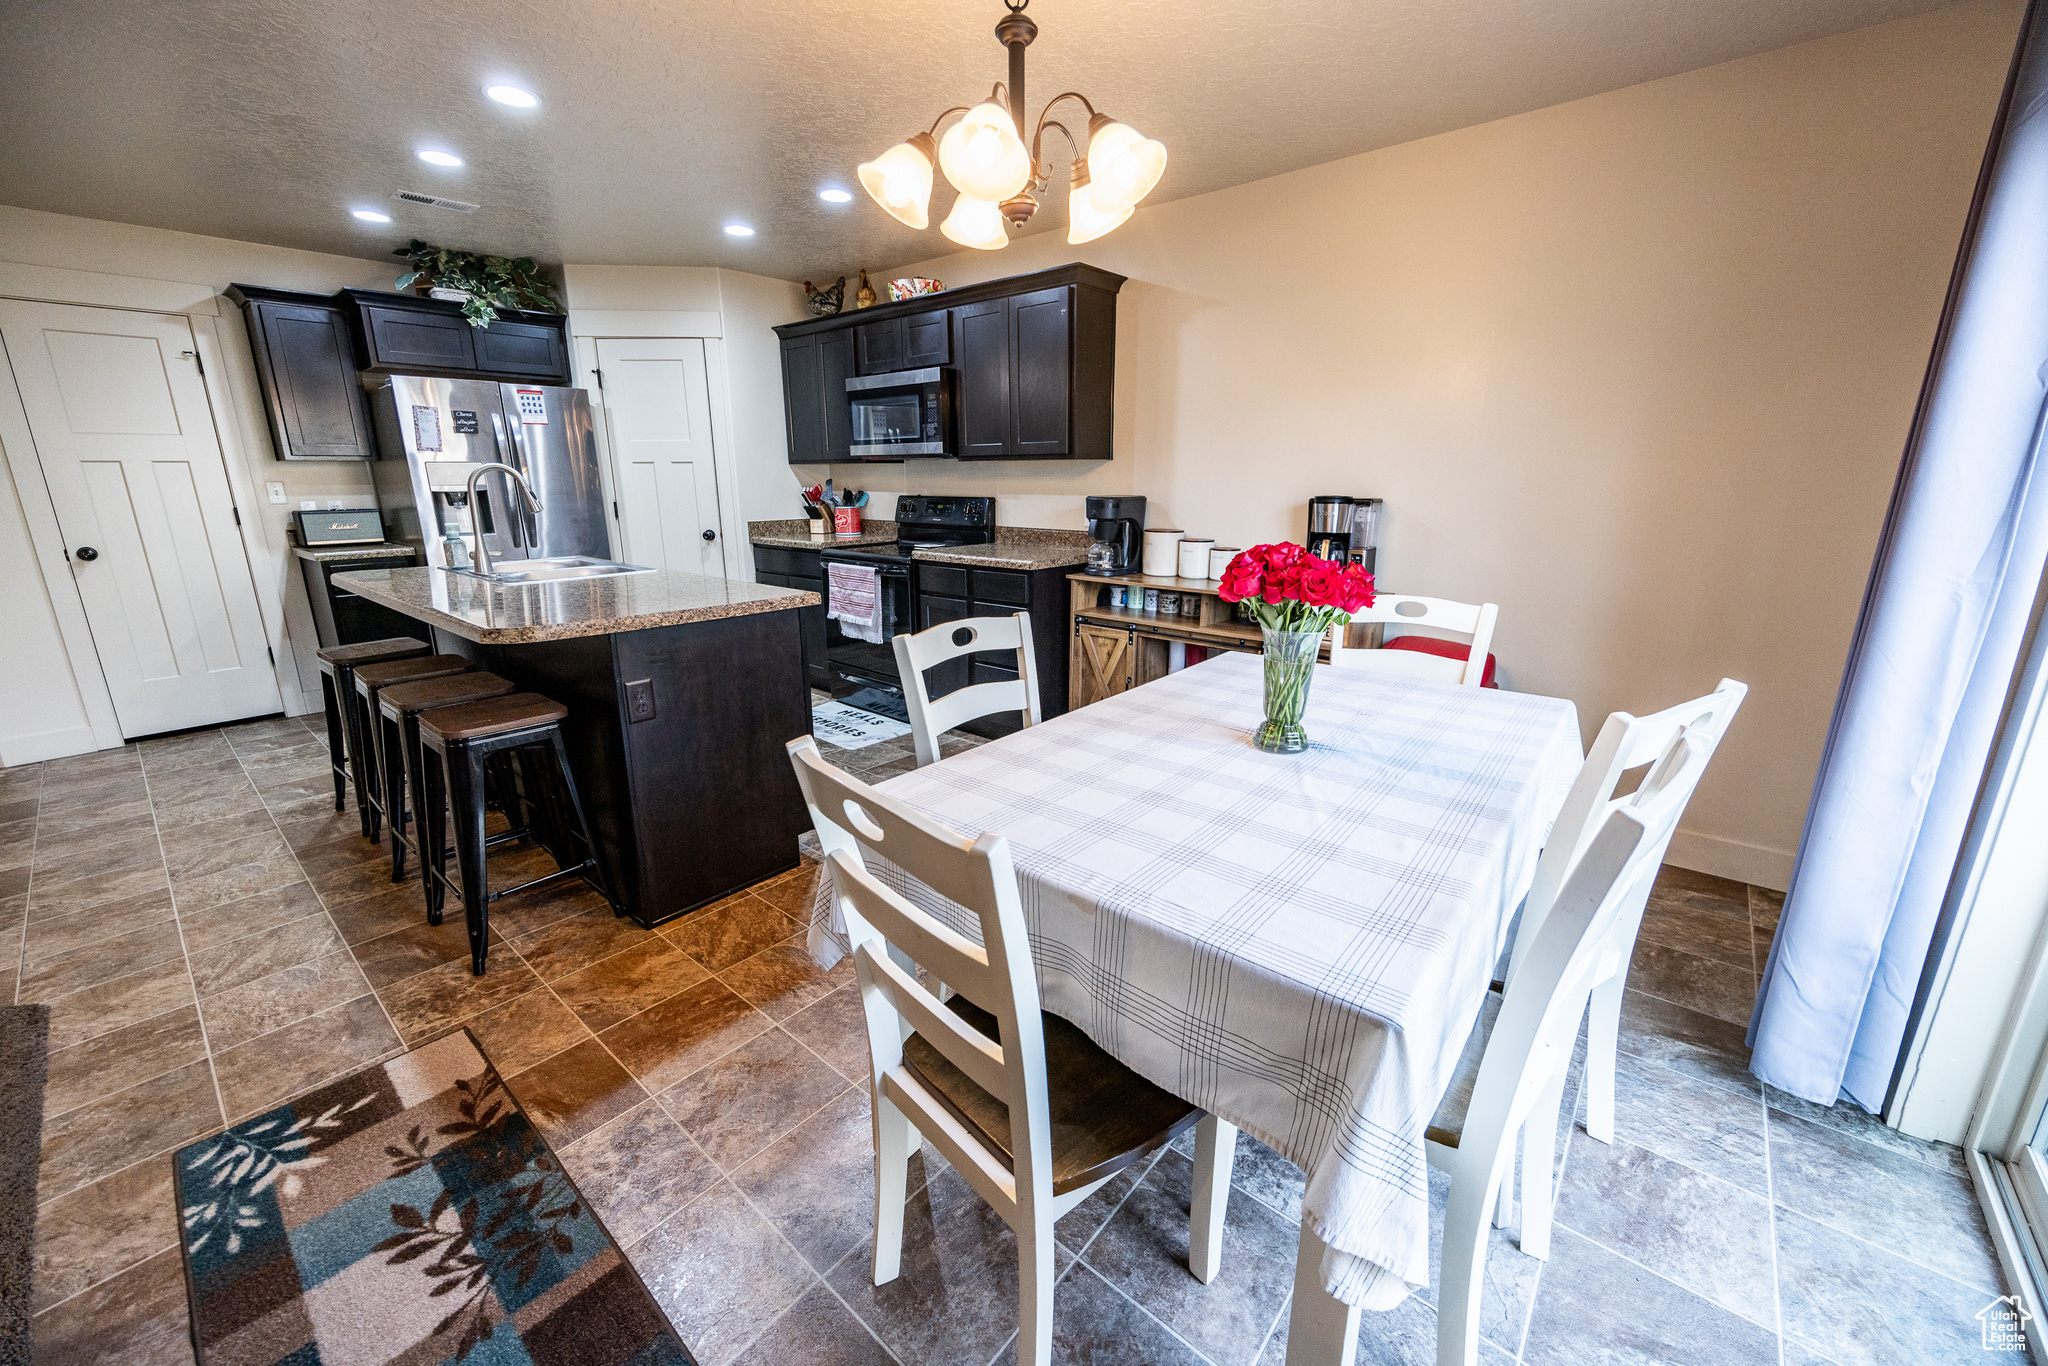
1751, 863
48, 744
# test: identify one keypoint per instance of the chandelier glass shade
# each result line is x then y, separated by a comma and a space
1086, 220
983, 156
900, 180
998, 175
976, 223
1123, 164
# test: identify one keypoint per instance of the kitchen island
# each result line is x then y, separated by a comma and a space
682, 691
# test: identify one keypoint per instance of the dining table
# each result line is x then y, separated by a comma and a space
1297, 943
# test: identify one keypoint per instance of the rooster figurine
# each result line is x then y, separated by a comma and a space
825, 302
866, 297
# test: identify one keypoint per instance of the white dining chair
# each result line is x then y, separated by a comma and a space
1438, 614
935, 645
1625, 743
1024, 1105
1510, 1078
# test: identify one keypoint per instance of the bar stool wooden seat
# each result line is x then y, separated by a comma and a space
370, 680
398, 745
338, 664
455, 742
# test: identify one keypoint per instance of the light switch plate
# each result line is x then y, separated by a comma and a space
276, 490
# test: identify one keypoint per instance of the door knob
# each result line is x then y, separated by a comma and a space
710, 535
87, 553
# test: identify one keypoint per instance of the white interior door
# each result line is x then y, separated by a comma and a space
657, 404
125, 437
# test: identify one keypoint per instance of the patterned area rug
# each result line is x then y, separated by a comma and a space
408, 1214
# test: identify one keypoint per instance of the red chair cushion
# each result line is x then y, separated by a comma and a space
1448, 649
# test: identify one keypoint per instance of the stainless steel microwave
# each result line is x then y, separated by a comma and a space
908, 413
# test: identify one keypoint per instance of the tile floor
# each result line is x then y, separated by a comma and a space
213, 938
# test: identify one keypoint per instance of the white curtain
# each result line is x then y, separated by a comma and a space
1935, 646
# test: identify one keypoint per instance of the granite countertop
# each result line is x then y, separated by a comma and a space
517, 614
795, 534
1017, 547
375, 550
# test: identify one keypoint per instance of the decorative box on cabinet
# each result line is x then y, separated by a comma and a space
305, 364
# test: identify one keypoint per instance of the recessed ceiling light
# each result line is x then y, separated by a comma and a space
371, 215
738, 230
512, 95
835, 196
433, 158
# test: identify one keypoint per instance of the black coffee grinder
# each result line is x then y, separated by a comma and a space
1116, 532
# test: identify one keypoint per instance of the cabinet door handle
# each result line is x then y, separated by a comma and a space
710, 535
86, 553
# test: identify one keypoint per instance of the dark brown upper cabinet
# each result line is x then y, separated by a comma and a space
913, 343
815, 369
1034, 361
305, 364
402, 334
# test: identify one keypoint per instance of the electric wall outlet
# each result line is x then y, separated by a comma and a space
640, 700
275, 490
335, 505
309, 505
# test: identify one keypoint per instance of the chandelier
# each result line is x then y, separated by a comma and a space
984, 157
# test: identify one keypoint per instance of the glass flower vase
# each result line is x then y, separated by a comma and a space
1290, 665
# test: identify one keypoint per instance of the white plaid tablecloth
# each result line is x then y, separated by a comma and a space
1297, 943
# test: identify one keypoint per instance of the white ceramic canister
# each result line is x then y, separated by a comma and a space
1220, 558
1162, 552
1194, 556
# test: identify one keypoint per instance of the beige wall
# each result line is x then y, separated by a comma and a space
1637, 368
47, 709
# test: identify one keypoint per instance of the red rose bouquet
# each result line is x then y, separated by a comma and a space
1296, 597
1292, 590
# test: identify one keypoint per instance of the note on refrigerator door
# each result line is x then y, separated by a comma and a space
533, 407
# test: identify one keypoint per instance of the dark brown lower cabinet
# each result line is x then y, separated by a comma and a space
946, 592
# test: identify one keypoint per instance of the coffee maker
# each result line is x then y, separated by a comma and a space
1345, 529
1116, 533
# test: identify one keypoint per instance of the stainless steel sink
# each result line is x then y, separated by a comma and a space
552, 569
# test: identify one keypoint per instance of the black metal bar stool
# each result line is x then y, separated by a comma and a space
398, 748
338, 664
370, 680
454, 743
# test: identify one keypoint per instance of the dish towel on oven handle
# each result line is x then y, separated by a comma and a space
854, 595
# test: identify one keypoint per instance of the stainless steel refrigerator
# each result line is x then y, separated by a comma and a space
432, 432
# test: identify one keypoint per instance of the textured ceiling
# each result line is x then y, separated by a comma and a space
662, 120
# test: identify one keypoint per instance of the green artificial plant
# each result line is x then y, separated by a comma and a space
492, 282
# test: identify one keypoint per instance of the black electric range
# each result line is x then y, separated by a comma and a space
922, 522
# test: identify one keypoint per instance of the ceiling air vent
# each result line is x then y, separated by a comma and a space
436, 202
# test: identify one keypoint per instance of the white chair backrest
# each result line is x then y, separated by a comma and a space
949, 640
1538, 1024
890, 936
1439, 614
1625, 742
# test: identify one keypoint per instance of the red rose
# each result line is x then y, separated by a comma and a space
1319, 583
1240, 582
1282, 582
1355, 591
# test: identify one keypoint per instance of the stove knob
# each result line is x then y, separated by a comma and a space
974, 513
